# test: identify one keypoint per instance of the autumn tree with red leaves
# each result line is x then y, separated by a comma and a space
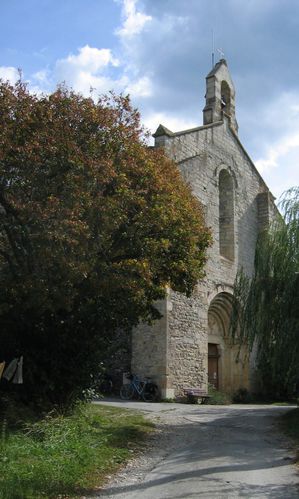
94, 225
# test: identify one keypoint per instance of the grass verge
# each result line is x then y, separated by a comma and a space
290, 425
66, 456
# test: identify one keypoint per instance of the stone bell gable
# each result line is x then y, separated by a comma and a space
190, 345
220, 96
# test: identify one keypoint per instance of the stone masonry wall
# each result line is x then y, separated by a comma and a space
174, 350
149, 348
201, 155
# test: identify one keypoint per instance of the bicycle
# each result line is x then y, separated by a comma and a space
142, 388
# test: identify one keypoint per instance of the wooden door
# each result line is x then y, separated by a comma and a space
213, 372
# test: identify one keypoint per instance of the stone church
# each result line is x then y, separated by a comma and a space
190, 346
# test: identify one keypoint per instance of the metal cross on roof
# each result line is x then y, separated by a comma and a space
221, 53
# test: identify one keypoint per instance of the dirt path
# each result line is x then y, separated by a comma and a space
209, 452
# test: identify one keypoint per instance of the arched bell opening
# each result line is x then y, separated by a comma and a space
225, 98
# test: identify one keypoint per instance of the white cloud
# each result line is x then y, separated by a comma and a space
278, 151
279, 164
174, 124
140, 88
12, 74
280, 119
133, 21
9, 73
41, 82
285, 174
89, 69
89, 59
42, 76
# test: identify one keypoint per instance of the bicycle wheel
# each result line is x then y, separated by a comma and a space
126, 392
150, 392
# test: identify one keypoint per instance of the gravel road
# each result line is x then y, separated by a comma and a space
201, 451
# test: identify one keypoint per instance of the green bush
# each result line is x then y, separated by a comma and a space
217, 397
242, 396
87, 242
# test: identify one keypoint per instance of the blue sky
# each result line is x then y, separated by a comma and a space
160, 52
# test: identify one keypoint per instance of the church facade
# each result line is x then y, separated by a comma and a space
190, 345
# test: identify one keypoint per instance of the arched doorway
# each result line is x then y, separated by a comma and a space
228, 368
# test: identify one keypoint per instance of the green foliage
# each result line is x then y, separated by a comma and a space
291, 423
68, 454
94, 226
217, 398
266, 307
242, 396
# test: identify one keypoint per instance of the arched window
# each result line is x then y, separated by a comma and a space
226, 215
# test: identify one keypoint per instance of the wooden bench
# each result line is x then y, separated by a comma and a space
194, 394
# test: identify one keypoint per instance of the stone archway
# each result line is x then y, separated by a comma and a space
228, 369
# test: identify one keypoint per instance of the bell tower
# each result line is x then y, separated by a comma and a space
220, 96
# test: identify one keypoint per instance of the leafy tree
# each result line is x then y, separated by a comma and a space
94, 225
266, 306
